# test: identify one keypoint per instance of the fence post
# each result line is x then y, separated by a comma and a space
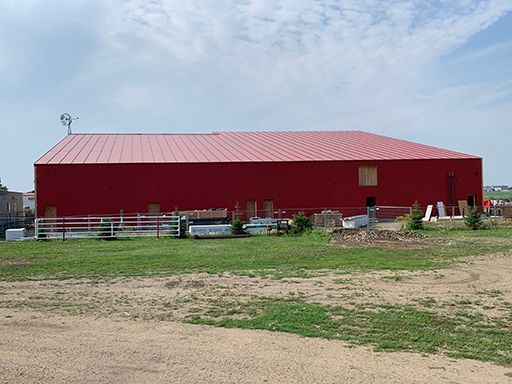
158, 227
63, 229
112, 228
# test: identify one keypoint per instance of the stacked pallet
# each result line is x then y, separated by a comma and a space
328, 219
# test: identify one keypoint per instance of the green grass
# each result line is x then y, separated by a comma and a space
283, 256
460, 231
501, 195
393, 328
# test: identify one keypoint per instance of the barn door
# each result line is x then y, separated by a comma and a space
250, 208
50, 211
154, 208
371, 201
472, 200
268, 205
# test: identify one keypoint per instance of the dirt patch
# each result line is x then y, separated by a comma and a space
79, 350
378, 238
17, 261
129, 329
483, 285
189, 282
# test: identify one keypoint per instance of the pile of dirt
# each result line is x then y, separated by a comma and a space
377, 238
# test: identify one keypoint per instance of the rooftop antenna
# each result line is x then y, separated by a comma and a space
66, 121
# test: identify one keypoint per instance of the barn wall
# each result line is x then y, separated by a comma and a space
108, 188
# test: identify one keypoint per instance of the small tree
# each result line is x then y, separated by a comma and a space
415, 222
412, 221
3, 188
473, 220
301, 223
237, 227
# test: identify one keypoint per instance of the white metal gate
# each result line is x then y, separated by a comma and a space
86, 227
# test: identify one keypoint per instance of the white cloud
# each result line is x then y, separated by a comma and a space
327, 55
190, 65
298, 37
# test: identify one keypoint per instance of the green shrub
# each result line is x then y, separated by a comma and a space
474, 220
404, 221
412, 221
416, 219
237, 227
301, 223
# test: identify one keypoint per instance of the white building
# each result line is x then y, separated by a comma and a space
29, 202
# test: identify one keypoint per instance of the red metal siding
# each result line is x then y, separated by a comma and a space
80, 189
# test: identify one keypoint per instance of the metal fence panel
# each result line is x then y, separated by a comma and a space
15, 221
107, 227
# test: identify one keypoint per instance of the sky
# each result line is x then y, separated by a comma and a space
438, 72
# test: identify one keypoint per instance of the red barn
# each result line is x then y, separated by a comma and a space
104, 174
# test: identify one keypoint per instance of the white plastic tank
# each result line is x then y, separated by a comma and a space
17, 234
355, 221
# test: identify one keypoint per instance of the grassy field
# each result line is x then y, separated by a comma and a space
472, 323
277, 256
501, 195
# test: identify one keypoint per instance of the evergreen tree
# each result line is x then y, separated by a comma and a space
474, 219
415, 219
237, 227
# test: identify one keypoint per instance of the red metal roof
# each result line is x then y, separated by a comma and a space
238, 147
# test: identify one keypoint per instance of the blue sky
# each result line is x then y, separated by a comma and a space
437, 72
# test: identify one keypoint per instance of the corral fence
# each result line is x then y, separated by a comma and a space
110, 227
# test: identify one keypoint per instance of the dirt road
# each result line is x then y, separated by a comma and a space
71, 349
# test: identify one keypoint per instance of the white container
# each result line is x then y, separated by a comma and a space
355, 221
221, 229
441, 209
15, 234
266, 220
259, 228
